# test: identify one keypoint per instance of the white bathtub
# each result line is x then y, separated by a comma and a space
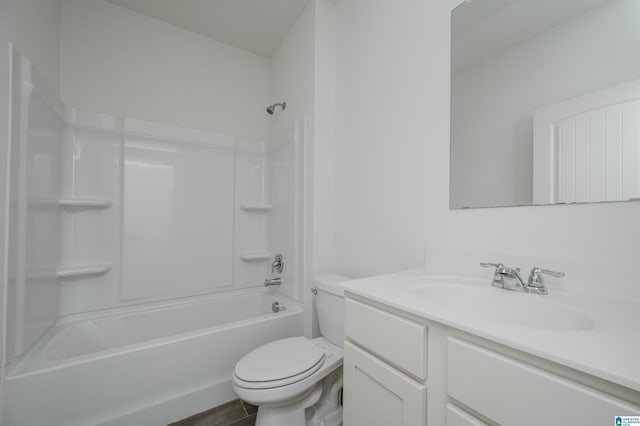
145, 365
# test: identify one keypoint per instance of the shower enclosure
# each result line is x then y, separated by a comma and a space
137, 256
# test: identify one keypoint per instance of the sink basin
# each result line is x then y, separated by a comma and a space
502, 306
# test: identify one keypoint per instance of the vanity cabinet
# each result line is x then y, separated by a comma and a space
401, 369
377, 394
385, 366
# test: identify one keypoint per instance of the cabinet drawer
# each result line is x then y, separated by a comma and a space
397, 340
458, 417
512, 392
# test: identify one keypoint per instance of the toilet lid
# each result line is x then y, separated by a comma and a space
284, 361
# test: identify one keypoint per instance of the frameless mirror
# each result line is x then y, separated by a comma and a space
545, 102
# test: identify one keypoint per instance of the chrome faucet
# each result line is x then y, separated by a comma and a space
504, 277
273, 281
536, 283
510, 279
278, 264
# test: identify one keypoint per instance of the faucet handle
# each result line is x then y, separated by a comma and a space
278, 264
556, 274
498, 279
535, 278
491, 265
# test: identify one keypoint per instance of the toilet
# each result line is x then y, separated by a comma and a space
298, 381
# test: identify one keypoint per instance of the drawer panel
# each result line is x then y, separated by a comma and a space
511, 392
458, 417
397, 340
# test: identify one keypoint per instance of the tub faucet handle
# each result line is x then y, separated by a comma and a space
278, 264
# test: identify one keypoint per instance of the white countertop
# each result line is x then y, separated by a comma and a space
608, 347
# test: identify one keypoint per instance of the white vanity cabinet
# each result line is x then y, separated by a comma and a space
377, 394
384, 382
400, 369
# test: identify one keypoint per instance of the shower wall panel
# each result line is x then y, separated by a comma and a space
250, 225
92, 163
170, 217
178, 216
153, 212
285, 190
34, 218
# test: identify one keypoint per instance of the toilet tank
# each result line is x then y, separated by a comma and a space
329, 301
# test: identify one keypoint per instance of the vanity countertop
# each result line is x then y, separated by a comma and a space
598, 335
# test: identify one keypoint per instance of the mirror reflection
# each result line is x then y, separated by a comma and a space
545, 102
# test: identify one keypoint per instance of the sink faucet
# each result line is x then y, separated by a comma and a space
510, 279
505, 277
536, 283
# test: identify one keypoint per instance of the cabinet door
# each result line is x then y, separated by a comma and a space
376, 394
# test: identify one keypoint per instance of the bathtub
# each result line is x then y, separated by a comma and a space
148, 365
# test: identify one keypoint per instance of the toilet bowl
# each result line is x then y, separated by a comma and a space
297, 381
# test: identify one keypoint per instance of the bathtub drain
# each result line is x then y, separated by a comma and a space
277, 307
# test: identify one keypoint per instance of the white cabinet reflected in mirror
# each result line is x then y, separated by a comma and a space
545, 102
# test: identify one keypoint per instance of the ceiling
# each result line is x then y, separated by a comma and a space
258, 26
482, 28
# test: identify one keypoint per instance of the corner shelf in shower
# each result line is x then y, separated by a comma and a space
256, 207
92, 203
255, 256
83, 270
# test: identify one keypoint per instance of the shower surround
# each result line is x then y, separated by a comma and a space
112, 214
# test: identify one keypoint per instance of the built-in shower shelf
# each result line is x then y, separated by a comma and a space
256, 207
83, 270
255, 256
39, 202
95, 203
40, 273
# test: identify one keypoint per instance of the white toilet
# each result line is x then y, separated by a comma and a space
297, 381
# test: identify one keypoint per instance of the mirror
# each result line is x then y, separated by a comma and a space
545, 102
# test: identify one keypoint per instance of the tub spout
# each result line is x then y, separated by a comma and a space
273, 281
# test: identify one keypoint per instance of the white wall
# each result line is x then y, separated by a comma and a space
382, 103
292, 73
324, 155
4, 190
118, 61
33, 26
496, 98
394, 88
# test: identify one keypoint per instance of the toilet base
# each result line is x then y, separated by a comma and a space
320, 406
328, 411
333, 419
290, 414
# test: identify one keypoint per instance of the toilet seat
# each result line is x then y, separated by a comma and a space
278, 363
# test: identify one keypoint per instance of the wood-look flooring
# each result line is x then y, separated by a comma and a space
233, 413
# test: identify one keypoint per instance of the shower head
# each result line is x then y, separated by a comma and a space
271, 108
